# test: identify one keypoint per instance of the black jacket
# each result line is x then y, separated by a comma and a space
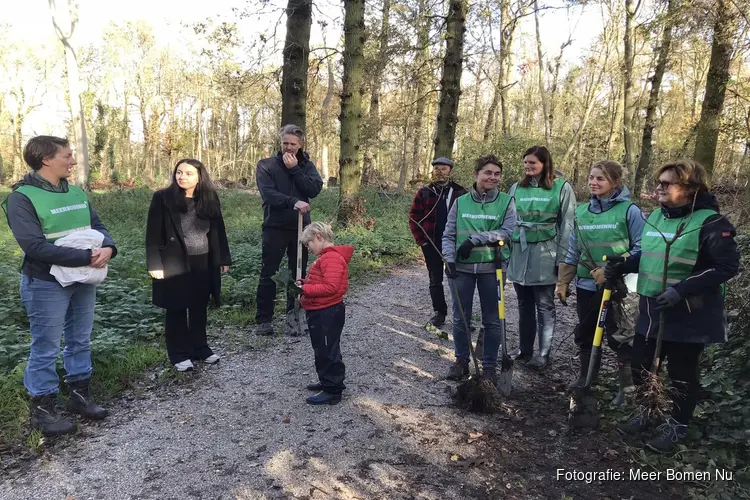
282, 187
700, 316
40, 254
165, 251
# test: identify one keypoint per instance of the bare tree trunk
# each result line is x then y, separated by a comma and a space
423, 52
351, 108
325, 121
450, 83
542, 89
76, 108
296, 60
372, 135
653, 100
725, 28
627, 73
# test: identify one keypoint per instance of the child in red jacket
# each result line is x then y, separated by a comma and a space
322, 298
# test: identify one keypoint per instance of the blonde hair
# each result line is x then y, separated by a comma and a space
321, 228
611, 170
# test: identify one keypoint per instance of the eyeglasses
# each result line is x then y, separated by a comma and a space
664, 185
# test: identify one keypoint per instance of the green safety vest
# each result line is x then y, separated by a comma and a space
59, 213
599, 235
682, 254
473, 218
537, 210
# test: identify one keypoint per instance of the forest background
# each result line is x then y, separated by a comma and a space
381, 87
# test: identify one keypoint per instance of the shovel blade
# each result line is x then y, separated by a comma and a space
505, 377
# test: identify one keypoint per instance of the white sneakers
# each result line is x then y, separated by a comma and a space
184, 366
187, 365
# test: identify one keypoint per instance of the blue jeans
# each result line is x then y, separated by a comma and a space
54, 311
486, 284
536, 311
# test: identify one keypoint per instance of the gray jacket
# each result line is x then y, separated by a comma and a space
484, 238
537, 265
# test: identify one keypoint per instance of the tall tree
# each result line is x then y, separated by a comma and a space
372, 134
707, 132
74, 87
542, 86
350, 170
423, 52
296, 60
628, 60
647, 149
450, 82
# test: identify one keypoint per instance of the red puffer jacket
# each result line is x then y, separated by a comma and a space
328, 279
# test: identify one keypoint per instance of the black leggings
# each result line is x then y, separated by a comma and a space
588, 304
683, 368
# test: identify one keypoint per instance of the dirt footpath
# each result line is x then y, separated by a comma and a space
242, 430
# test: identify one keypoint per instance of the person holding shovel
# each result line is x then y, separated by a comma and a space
678, 320
546, 210
427, 218
286, 182
477, 222
609, 224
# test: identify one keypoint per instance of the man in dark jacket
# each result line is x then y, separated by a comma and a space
42, 208
287, 182
427, 217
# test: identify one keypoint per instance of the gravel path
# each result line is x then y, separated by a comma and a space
242, 430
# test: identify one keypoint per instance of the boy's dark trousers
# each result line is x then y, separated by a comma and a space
325, 334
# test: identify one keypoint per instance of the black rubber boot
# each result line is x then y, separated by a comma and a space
625, 380
81, 402
44, 416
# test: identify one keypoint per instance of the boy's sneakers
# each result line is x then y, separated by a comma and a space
184, 366
324, 398
669, 435
459, 370
212, 359
316, 387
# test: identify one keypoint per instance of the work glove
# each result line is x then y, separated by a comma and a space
669, 298
464, 251
613, 270
450, 270
565, 275
562, 292
598, 275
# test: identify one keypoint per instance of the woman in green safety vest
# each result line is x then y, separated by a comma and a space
702, 258
477, 221
609, 224
546, 209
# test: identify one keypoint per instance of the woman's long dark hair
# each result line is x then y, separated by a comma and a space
548, 171
205, 197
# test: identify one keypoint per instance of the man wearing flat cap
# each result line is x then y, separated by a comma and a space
427, 218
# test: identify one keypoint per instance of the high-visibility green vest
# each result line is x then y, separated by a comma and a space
682, 254
537, 209
601, 234
59, 213
473, 218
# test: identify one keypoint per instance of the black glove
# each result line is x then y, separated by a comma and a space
464, 251
613, 270
669, 298
450, 270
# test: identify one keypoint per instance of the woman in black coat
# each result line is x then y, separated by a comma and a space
186, 253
